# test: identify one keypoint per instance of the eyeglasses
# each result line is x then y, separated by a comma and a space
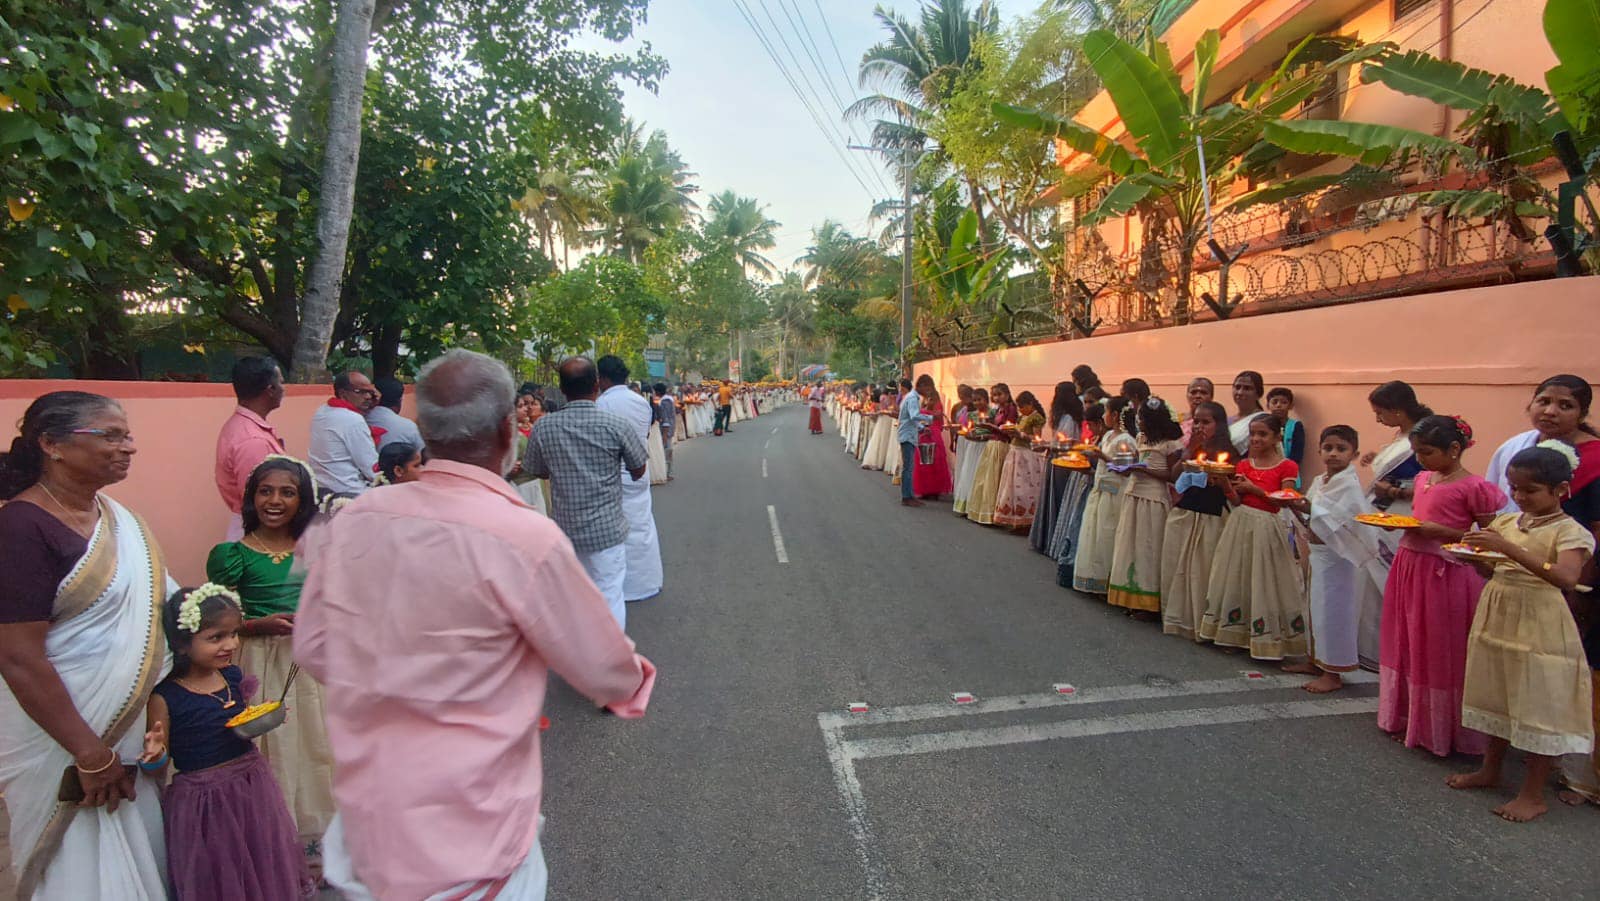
114, 437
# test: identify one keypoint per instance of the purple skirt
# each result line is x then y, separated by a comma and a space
230, 837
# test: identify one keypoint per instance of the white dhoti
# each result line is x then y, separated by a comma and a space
644, 576
532, 494
527, 882
607, 569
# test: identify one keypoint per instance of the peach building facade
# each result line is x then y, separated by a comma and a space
1328, 250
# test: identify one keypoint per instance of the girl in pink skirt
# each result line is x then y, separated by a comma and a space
229, 835
1429, 600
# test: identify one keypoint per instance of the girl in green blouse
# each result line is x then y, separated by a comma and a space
279, 502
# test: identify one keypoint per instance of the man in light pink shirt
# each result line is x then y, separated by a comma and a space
247, 438
432, 612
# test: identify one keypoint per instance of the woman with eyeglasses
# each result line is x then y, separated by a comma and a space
81, 649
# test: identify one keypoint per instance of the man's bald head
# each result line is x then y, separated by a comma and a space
579, 378
464, 405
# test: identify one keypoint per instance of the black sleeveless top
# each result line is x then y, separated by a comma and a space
199, 737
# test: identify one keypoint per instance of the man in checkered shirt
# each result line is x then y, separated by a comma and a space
583, 451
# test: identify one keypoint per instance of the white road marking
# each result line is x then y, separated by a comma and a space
763, 467
855, 809
843, 753
767, 444
863, 749
777, 536
1135, 692
774, 430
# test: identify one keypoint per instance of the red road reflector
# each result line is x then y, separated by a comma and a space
1252, 674
857, 706
1063, 688
963, 697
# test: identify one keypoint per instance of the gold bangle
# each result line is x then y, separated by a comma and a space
109, 764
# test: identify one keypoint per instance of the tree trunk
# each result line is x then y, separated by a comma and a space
386, 350
108, 351
1180, 308
320, 306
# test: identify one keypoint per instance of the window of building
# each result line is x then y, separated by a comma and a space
1404, 8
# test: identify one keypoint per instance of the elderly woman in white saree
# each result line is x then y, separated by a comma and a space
81, 649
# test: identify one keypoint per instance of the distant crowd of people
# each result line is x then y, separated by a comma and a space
1470, 595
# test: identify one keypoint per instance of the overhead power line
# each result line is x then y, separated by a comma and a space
800, 69
766, 45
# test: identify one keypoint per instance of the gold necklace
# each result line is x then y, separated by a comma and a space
226, 688
1527, 524
77, 523
275, 556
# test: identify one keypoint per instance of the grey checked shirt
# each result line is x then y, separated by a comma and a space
582, 450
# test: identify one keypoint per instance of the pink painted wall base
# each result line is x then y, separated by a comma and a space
1476, 353
172, 484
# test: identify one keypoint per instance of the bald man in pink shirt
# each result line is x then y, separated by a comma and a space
432, 613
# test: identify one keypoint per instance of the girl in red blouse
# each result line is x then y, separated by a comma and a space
1256, 596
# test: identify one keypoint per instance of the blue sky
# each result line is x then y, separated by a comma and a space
727, 109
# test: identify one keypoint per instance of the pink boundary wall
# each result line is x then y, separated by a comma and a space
172, 484
1476, 353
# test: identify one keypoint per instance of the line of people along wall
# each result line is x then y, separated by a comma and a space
1469, 594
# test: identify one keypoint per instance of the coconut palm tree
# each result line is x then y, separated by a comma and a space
639, 205
918, 68
742, 224
838, 259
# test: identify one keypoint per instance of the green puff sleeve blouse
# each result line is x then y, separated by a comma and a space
264, 587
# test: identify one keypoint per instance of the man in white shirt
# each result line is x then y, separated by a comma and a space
385, 415
344, 453
644, 577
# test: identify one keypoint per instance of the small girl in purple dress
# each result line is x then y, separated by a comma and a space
229, 835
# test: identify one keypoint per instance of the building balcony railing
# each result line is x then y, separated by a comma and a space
1319, 249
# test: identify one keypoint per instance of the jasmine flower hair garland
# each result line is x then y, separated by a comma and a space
189, 610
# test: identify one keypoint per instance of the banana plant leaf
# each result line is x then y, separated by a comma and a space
1372, 144
1457, 86
1103, 150
1151, 107
1573, 29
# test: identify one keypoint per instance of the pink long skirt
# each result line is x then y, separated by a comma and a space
1428, 606
230, 837
932, 479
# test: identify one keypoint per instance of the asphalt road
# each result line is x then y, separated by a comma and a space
1167, 772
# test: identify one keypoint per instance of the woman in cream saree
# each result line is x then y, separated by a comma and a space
106, 643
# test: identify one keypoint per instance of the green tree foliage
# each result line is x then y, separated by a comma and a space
604, 304
165, 150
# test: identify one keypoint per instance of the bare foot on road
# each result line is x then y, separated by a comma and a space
1326, 683
1302, 667
1475, 779
1522, 810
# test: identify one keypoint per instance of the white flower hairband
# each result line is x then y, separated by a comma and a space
298, 462
1562, 448
1156, 403
189, 610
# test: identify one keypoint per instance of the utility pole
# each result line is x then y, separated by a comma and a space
907, 161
